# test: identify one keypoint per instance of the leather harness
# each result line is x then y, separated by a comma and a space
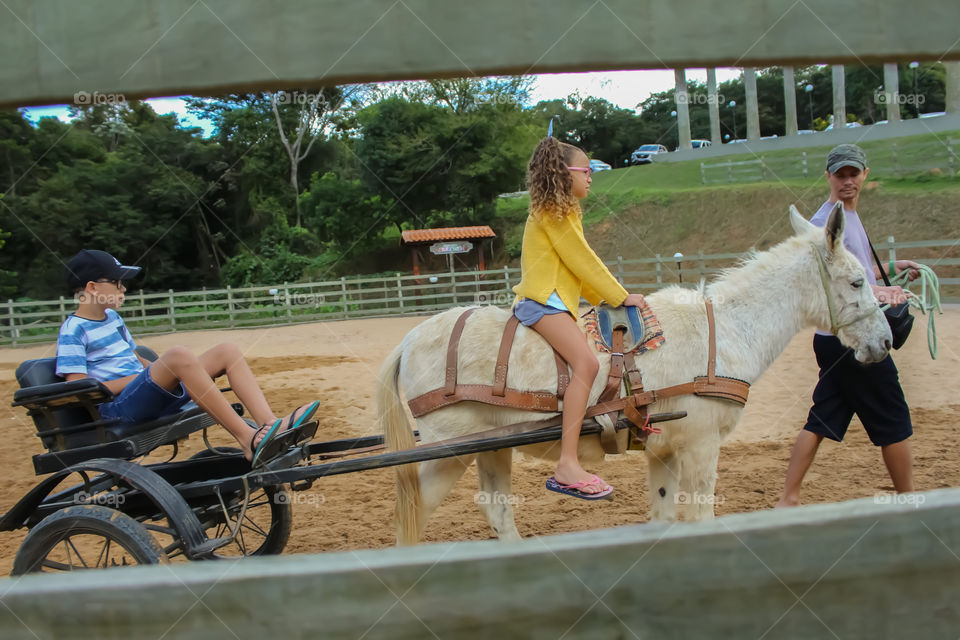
633, 404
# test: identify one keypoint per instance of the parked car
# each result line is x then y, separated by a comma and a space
850, 125
933, 114
645, 153
700, 144
599, 165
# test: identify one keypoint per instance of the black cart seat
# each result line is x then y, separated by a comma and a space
70, 426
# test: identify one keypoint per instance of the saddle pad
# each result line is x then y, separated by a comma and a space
643, 329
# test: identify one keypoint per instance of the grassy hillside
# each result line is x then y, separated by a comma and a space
663, 208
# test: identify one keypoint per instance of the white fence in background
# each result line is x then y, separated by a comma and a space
31, 321
891, 161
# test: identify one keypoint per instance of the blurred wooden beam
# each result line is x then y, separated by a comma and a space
53, 49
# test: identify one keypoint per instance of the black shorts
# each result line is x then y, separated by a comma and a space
847, 387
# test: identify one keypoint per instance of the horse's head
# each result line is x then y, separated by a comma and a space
845, 304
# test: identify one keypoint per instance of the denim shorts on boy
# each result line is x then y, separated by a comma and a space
143, 400
530, 312
847, 387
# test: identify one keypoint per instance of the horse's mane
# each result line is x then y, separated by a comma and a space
748, 267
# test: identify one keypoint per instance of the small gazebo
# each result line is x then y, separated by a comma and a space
447, 241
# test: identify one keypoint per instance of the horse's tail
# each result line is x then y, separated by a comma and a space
398, 435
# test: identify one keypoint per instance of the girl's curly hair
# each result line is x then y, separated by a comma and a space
549, 181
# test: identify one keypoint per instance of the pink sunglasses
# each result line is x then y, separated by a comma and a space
586, 170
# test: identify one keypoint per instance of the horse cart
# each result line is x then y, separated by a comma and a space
211, 505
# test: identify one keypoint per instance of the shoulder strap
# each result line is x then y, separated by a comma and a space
883, 272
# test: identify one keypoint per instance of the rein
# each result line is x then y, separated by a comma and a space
835, 326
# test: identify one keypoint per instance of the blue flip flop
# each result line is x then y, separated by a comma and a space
298, 421
574, 489
264, 441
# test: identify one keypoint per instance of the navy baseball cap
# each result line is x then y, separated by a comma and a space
91, 265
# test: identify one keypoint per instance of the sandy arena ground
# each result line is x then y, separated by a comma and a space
337, 362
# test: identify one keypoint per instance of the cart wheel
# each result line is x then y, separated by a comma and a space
266, 523
86, 537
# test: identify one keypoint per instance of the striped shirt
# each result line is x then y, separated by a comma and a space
101, 349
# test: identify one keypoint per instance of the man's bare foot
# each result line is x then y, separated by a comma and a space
788, 502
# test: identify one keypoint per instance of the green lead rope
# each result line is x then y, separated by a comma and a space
928, 300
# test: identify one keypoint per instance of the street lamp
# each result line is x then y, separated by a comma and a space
809, 90
916, 102
679, 258
732, 105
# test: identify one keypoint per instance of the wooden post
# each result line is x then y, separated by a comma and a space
13, 324
763, 168
230, 304
63, 311
620, 269
703, 264
286, 301
143, 309
896, 163
659, 273
729, 171
205, 318
399, 292
951, 158
173, 318
453, 282
343, 295
803, 163
703, 174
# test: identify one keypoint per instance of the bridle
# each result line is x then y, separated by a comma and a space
835, 326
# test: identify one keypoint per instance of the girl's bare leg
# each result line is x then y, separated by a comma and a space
563, 334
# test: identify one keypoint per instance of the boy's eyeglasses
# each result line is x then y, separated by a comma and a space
586, 170
117, 283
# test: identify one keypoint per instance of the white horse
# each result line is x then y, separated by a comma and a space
759, 306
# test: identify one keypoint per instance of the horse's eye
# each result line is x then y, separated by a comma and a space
856, 284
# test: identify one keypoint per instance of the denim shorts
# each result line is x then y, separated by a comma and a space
530, 312
143, 400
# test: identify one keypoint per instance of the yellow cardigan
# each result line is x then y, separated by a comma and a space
555, 256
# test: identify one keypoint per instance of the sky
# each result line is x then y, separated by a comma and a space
625, 89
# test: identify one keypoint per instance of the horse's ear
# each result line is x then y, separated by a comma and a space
834, 228
799, 223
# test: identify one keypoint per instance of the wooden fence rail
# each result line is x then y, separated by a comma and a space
31, 321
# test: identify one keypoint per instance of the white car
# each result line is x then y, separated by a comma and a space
645, 153
700, 144
599, 165
849, 125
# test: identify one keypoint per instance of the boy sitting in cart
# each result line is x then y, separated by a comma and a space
94, 342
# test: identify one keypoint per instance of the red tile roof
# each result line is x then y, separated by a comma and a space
415, 236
